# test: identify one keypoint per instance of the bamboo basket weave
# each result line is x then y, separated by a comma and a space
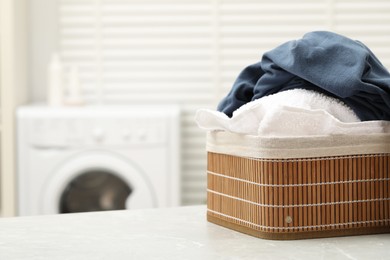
291, 188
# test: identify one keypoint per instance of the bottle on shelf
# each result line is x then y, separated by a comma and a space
55, 81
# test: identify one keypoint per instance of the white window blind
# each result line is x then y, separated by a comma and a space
189, 52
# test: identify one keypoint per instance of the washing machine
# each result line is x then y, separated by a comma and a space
95, 158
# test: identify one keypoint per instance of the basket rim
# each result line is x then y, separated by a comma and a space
296, 147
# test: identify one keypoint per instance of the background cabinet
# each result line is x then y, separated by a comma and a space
13, 91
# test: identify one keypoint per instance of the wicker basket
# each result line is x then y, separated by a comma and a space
294, 188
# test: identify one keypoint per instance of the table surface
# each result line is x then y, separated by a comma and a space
171, 233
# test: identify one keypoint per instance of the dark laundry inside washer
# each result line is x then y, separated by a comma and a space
95, 190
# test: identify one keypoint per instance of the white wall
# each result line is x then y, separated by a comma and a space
43, 23
13, 91
184, 51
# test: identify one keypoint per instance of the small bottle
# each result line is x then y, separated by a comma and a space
55, 81
74, 96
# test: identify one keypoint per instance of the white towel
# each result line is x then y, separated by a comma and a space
295, 112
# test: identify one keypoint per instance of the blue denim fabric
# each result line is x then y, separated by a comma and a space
322, 61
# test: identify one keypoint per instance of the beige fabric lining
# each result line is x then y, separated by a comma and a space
296, 147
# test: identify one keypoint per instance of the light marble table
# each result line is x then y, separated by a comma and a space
175, 233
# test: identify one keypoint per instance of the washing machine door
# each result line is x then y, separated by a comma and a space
96, 181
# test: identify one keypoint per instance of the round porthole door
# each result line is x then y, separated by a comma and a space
95, 190
97, 182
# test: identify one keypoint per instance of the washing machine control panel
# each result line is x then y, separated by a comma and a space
98, 131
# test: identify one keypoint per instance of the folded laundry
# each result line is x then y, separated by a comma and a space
321, 61
291, 113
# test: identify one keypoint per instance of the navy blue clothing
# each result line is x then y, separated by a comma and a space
322, 61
